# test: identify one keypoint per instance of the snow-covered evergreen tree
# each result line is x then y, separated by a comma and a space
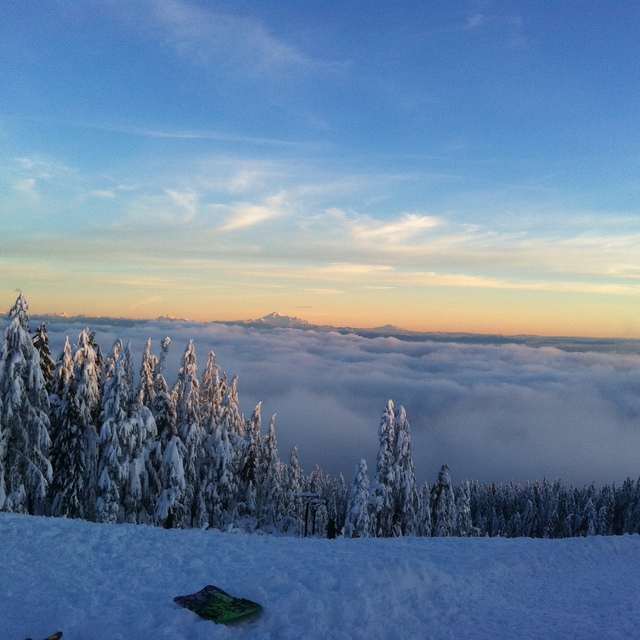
218, 482
192, 435
62, 374
130, 395
146, 392
164, 411
293, 481
248, 478
87, 366
142, 483
172, 510
405, 492
211, 391
382, 504
109, 368
443, 505
464, 525
269, 493
68, 455
47, 363
25, 470
425, 511
226, 457
358, 522
113, 462
63, 371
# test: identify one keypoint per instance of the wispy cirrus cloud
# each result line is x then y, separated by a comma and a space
243, 215
510, 24
187, 201
405, 227
239, 43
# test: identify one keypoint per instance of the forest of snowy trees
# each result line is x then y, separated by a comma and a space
80, 438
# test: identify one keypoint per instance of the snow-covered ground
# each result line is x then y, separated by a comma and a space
100, 582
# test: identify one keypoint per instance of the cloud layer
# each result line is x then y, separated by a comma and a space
492, 413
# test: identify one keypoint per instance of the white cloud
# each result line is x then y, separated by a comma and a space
231, 41
476, 21
186, 200
492, 412
243, 215
103, 193
26, 186
325, 292
403, 229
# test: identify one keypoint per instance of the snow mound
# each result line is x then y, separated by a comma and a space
118, 582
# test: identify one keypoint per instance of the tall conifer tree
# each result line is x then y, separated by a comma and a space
25, 470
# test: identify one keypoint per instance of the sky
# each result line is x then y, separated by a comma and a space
440, 166
493, 413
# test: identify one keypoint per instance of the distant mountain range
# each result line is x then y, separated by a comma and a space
277, 321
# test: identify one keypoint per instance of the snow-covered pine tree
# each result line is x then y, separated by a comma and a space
464, 525
62, 374
172, 511
146, 391
248, 478
67, 489
25, 470
632, 511
382, 504
591, 518
335, 495
192, 435
425, 511
293, 479
443, 505
528, 524
405, 499
211, 391
358, 522
113, 461
228, 456
217, 491
142, 485
164, 411
160, 386
217, 475
165, 343
63, 371
87, 366
269, 490
109, 368
233, 402
131, 397
605, 511
47, 363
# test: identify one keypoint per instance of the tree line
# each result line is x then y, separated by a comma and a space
83, 437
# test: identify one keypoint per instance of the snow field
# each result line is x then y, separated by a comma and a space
117, 582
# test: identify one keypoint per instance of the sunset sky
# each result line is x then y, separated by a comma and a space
442, 166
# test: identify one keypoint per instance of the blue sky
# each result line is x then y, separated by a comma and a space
440, 165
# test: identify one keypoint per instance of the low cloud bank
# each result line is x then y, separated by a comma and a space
492, 413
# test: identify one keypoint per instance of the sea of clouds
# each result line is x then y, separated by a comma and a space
493, 413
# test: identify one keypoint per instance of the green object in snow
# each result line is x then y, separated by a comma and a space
212, 603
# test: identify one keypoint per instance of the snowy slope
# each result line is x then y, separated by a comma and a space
118, 581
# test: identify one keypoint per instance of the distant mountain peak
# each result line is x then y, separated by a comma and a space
171, 319
389, 327
276, 319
